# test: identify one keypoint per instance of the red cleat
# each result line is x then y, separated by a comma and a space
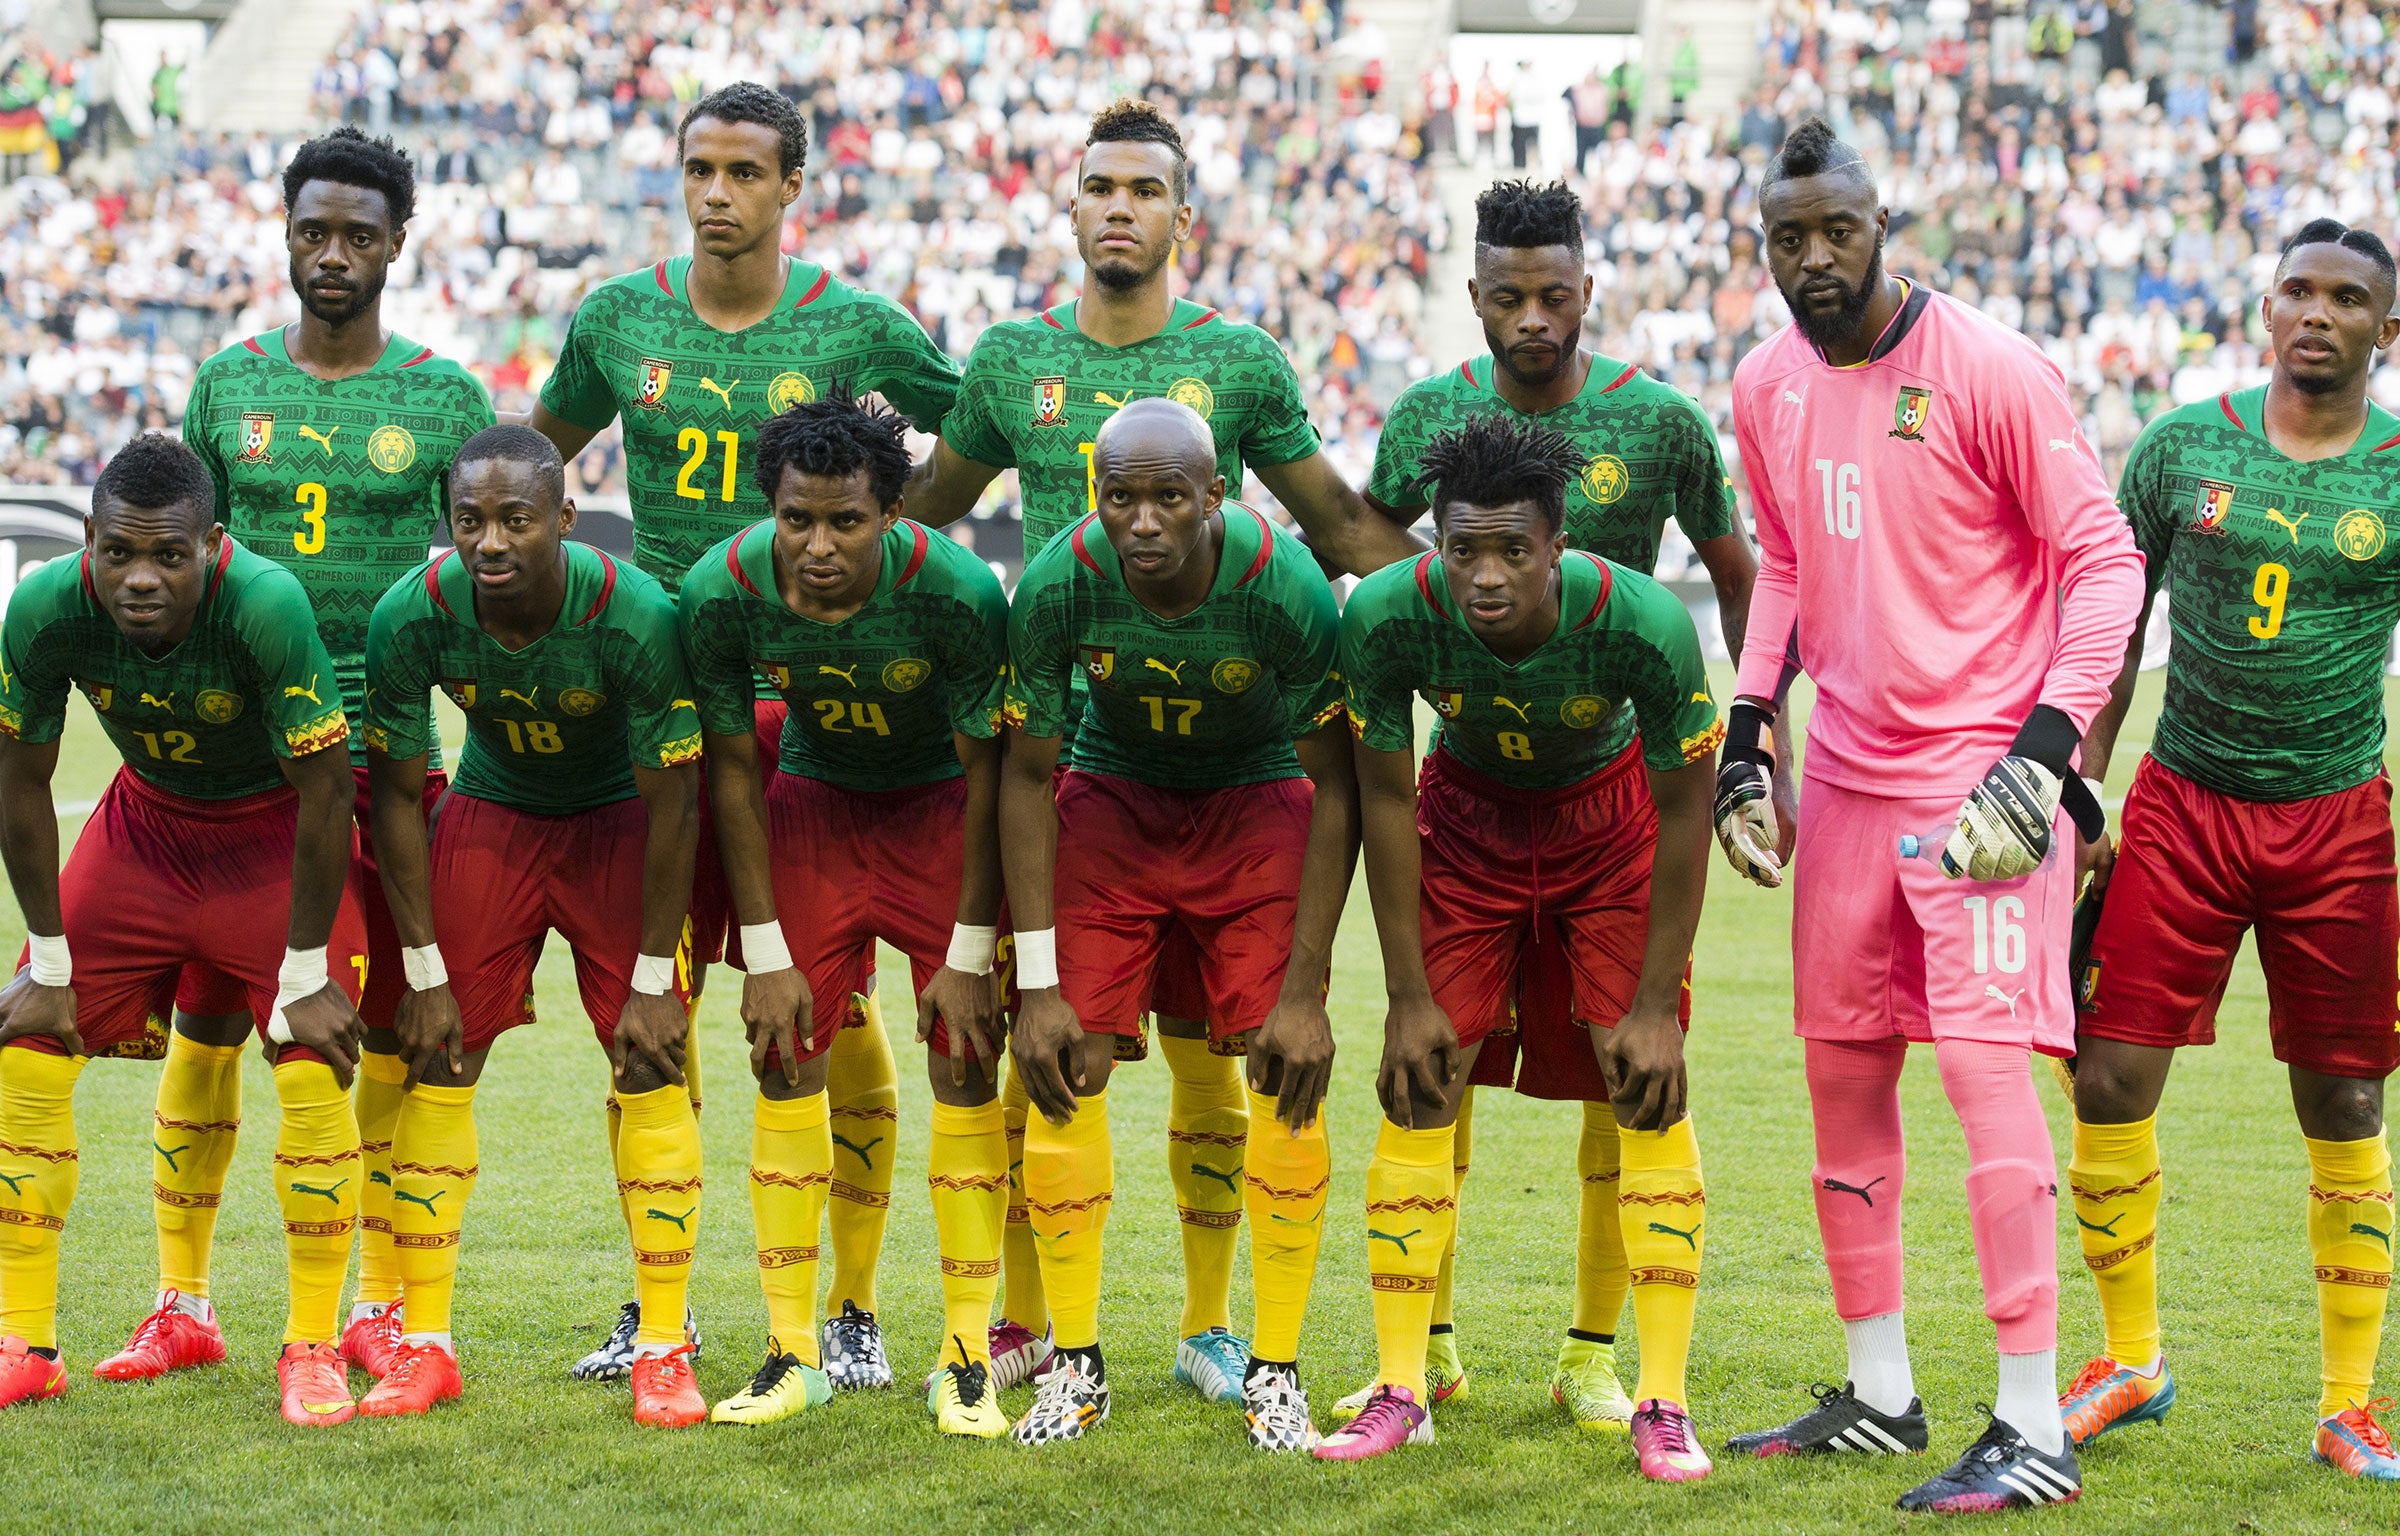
665, 1392
316, 1393
167, 1340
26, 1377
419, 1376
369, 1343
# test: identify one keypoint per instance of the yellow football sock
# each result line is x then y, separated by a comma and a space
1070, 1178
791, 1162
194, 1127
1601, 1275
1022, 1300
317, 1175
1206, 1127
691, 1032
1285, 1179
1662, 1207
435, 1160
1412, 1207
967, 1172
2350, 1237
38, 1169
376, 1099
2114, 1177
864, 1092
1463, 1153
658, 1154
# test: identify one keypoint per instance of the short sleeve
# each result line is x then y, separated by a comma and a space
972, 429
398, 709
295, 675
197, 437
1393, 480
662, 725
1041, 652
33, 687
1278, 430
1669, 688
974, 656
1304, 640
2142, 496
1703, 490
708, 620
577, 390
1376, 691
919, 378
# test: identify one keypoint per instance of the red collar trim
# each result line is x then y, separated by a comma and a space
1425, 588
664, 285
2225, 404
733, 559
916, 557
1075, 542
1266, 547
1466, 371
608, 587
251, 342
1607, 581
1630, 370
420, 357
1193, 325
433, 583
2386, 443
824, 277
1051, 321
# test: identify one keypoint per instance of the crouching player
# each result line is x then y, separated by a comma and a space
888, 645
573, 809
1534, 818
228, 825
1208, 639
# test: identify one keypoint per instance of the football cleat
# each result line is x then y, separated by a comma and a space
1067, 1404
414, 1379
1664, 1442
2354, 1442
169, 1339
1018, 1355
370, 1342
782, 1387
1585, 1384
613, 1360
853, 1350
1212, 1364
2107, 1395
1999, 1471
1391, 1419
26, 1377
1276, 1406
1445, 1380
665, 1392
316, 1388
963, 1401
1839, 1422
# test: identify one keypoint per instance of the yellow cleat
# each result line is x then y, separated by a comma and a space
962, 1402
782, 1387
1586, 1385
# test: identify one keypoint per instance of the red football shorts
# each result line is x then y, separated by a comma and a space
503, 878
2196, 869
160, 887
211, 994
1139, 864
712, 900
1538, 899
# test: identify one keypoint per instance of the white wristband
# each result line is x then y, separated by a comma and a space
653, 974
1037, 959
763, 949
424, 967
2098, 789
48, 959
972, 948
303, 975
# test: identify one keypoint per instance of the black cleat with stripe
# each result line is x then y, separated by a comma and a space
1998, 1472
1839, 1422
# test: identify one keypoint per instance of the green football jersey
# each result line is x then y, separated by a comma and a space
2283, 597
1037, 391
557, 727
691, 395
1209, 700
874, 699
209, 720
1648, 454
1552, 719
339, 481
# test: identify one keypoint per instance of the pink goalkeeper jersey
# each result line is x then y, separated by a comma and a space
1937, 533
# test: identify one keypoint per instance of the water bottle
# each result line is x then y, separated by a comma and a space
1927, 846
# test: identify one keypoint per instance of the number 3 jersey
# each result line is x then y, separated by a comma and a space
1938, 537
339, 481
557, 727
2285, 587
874, 698
211, 718
1551, 719
1206, 701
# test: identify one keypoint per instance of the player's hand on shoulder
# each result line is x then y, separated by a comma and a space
1046, 1032
778, 1014
29, 1008
429, 1025
654, 1027
969, 1006
327, 1023
1642, 1060
1298, 1035
1420, 1060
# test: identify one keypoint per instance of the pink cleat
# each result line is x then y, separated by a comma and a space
1663, 1439
1391, 1419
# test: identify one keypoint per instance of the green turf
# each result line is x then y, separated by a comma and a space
545, 1267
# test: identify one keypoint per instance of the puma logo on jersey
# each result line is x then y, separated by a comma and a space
1513, 704
1660, 1226
1101, 395
1793, 398
326, 1192
309, 693
723, 392
323, 440
1863, 1191
847, 674
2062, 444
2010, 998
155, 702
525, 699
682, 1222
2290, 525
1229, 1180
1175, 671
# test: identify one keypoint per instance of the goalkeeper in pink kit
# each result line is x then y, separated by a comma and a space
1941, 553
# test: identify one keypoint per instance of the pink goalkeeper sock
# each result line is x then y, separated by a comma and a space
1854, 1097
2012, 1188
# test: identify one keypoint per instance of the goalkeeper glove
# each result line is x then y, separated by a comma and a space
2004, 827
1745, 813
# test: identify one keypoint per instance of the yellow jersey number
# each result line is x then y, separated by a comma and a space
1185, 711
846, 716
1091, 479
533, 736
2269, 590
694, 444
309, 537
180, 747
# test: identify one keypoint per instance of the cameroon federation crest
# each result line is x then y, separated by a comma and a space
1909, 412
777, 673
258, 437
1234, 674
907, 674
2359, 535
101, 694
1194, 393
1582, 712
1447, 702
1049, 402
391, 449
580, 701
216, 706
461, 691
2211, 507
789, 389
655, 378
1604, 479
1099, 662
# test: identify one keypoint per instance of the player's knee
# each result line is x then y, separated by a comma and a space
641, 1075
2114, 1086
2338, 1108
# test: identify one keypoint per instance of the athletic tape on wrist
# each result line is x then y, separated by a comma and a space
653, 974
424, 967
972, 949
48, 959
302, 975
763, 948
1744, 724
1037, 959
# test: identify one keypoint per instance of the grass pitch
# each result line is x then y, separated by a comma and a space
545, 1267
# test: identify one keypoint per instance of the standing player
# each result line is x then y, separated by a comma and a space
2263, 802
1535, 820
228, 824
888, 644
328, 440
1646, 453
1942, 548
690, 356
574, 809
1035, 395
1207, 639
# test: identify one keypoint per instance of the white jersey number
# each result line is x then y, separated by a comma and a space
1998, 940
1839, 483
